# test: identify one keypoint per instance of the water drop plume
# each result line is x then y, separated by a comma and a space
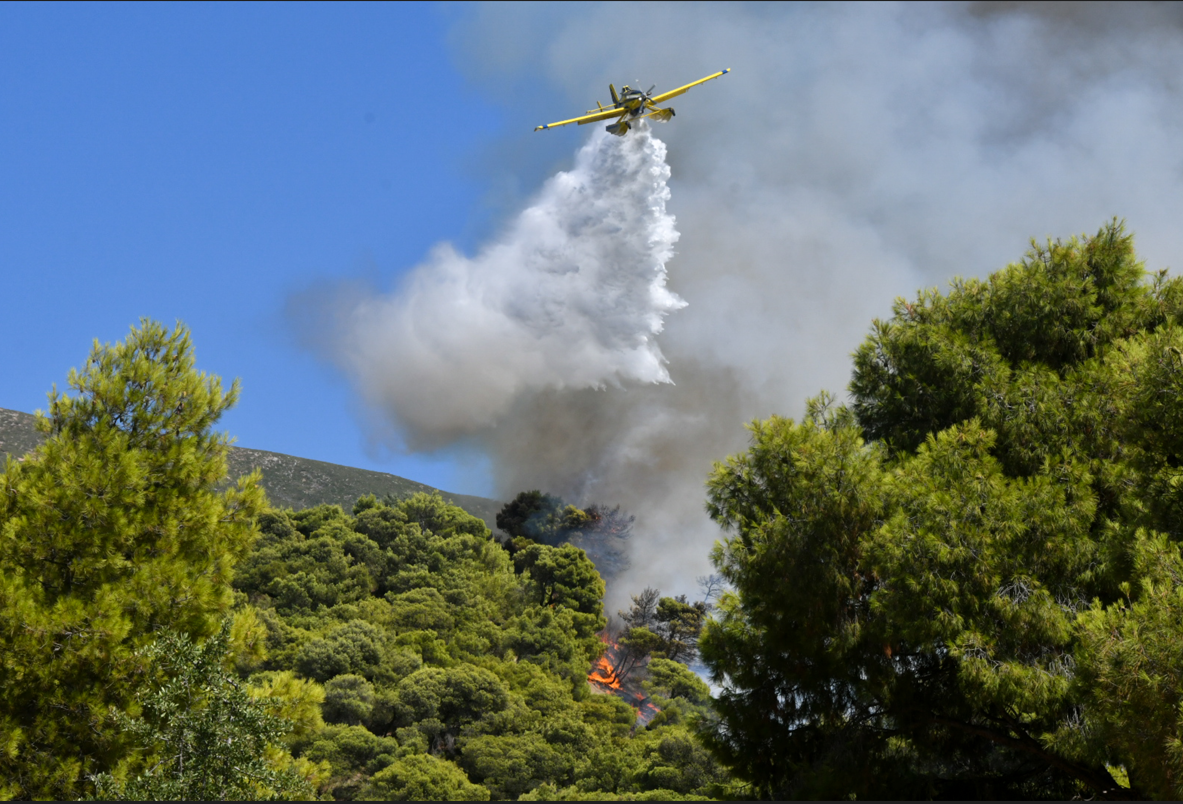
571, 296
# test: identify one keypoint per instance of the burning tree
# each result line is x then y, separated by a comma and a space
536, 517
654, 626
625, 653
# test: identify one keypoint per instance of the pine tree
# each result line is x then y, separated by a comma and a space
111, 530
968, 583
208, 737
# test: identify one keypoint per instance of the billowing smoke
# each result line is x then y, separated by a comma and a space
571, 297
855, 153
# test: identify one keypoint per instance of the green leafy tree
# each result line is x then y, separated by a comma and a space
542, 636
422, 777
675, 761
423, 609
679, 623
353, 754
512, 764
207, 737
433, 514
353, 647
563, 576
670, 679
1130, 663
349, 699
441, 702
531, 514
112, 529
309, 559
964, 585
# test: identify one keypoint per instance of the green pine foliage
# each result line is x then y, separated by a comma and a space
968, 583
205, 736
166, 637
111, 530
422, 777
453, 669
533, 517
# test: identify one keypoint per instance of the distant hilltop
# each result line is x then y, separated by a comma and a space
290, 482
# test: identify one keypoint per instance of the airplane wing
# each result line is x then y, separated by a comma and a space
673, 93
587, 118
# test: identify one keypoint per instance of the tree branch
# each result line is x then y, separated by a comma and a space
1102, 782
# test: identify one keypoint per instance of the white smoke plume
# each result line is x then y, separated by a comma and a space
571, 297
855, 153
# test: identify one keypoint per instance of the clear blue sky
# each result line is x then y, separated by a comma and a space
201, 163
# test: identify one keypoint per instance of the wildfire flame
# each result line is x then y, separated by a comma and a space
603, 676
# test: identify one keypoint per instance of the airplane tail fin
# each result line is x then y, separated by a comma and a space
615, 97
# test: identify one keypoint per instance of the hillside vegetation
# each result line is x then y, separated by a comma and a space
165, 635
967, 584
449, 668
290, 482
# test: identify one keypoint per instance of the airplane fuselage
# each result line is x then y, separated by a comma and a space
631, 105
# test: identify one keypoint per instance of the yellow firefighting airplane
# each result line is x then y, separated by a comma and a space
630, 106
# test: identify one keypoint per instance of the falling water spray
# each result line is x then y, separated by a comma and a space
571, 296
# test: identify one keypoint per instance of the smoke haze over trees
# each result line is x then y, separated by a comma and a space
964, 578
967, 583
598, 530
853, 154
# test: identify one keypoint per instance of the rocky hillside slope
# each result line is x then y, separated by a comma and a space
290, 482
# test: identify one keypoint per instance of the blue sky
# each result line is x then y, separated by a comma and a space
201, 163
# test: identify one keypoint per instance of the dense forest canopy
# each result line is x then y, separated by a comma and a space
986, 584
164, 637
458, 664
967, 583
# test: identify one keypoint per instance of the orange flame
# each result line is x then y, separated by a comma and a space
604, 674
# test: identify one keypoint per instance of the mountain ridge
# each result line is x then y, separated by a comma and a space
290, 481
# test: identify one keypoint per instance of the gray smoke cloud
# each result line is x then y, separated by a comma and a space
856, 153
